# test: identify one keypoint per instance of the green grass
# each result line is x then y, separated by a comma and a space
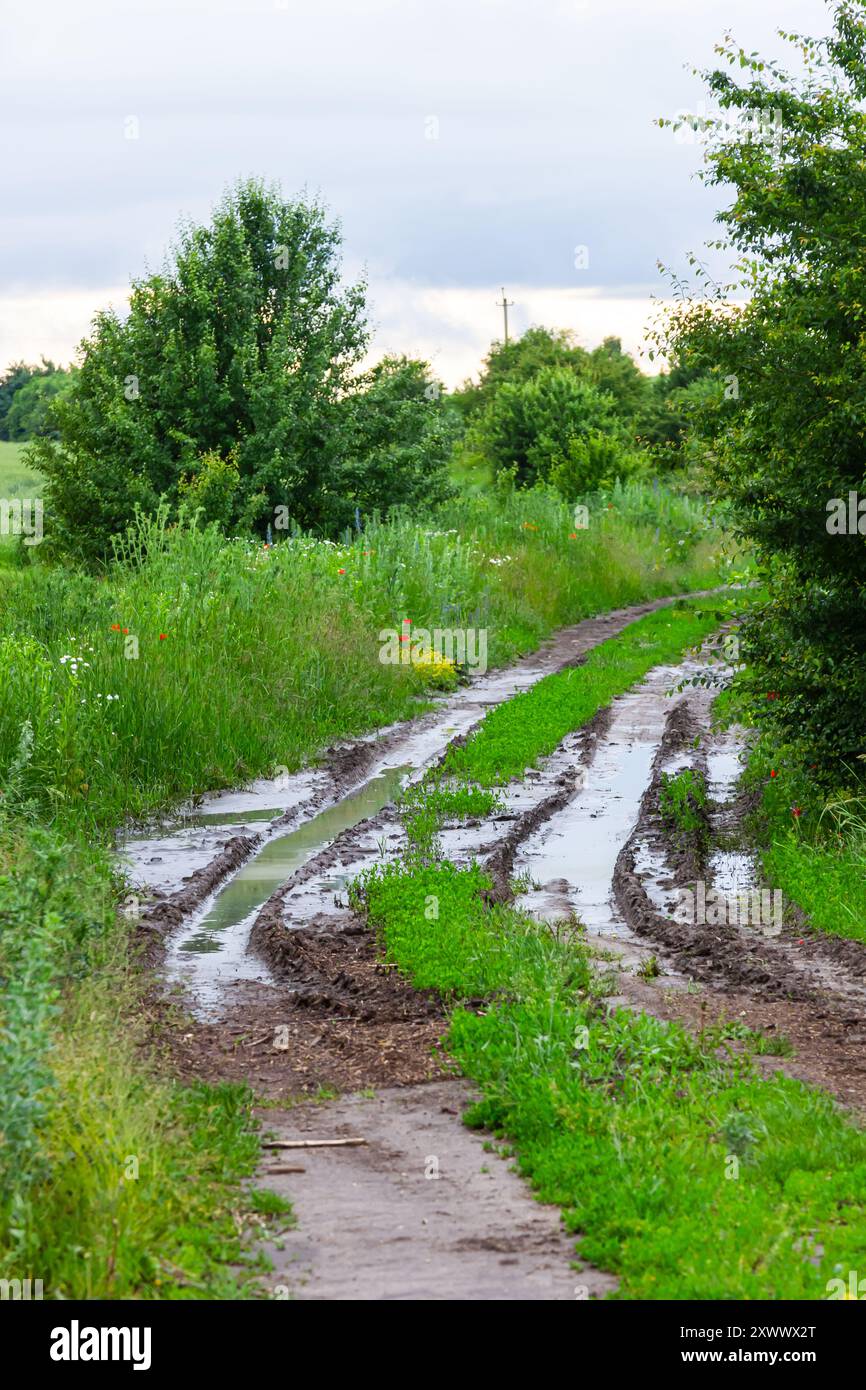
683, 803
248, 659
114, 1181
16, 478
515, 735
687, 1174
817, 857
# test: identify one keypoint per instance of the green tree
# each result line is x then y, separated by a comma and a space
517, 361
530, 425
242, 347
402, 432
17, 376
788, 421
30, 413
614, 371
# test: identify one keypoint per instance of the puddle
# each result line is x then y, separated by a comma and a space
212, 949
232, 817
572, 856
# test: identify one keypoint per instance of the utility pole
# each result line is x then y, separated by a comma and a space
505, 304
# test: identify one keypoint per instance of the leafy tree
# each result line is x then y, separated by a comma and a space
18, 375
243, 347
529, 425
30, 412
614, 371
519, 360
402, 433
789, 438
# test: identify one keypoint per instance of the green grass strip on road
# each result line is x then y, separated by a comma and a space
513, 736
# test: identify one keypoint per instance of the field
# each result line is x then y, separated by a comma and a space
16, 478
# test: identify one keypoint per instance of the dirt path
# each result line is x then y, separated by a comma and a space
292, 997
421, 1212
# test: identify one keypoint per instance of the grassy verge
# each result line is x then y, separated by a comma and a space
812, 845
687, 1174
514, 735
114, 1182
211, 661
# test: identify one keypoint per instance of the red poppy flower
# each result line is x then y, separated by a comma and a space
572, 535
115, 627
796, 812
126, 629
341, 571
773, 772
162, 636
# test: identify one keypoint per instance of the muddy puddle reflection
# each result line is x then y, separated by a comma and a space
212, 949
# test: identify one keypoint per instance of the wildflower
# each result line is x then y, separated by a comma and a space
162, 636
115, 627
126, 629
341, 571
572, 535
772, 694
773, 772
796, 812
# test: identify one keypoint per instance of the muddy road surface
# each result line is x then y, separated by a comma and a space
244, 914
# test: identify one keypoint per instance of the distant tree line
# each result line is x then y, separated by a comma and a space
26, 393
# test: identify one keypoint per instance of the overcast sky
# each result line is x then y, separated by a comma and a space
464, 144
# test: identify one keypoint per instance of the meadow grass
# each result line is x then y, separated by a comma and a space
197, 663
811, 843
114, 1181
515, 734
17, 478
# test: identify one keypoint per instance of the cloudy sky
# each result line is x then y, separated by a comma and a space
464, 144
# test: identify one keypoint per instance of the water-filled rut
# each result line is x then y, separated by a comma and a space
203, 877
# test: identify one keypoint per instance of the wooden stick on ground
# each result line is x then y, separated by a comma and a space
311, 1143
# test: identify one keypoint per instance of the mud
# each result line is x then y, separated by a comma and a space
421, 1212
177, 869
785, 981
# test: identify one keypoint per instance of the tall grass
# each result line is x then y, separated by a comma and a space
198, 662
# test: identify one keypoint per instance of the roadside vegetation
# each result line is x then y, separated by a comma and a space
784, 445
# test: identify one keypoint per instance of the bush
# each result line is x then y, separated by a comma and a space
592, 463
530, 424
